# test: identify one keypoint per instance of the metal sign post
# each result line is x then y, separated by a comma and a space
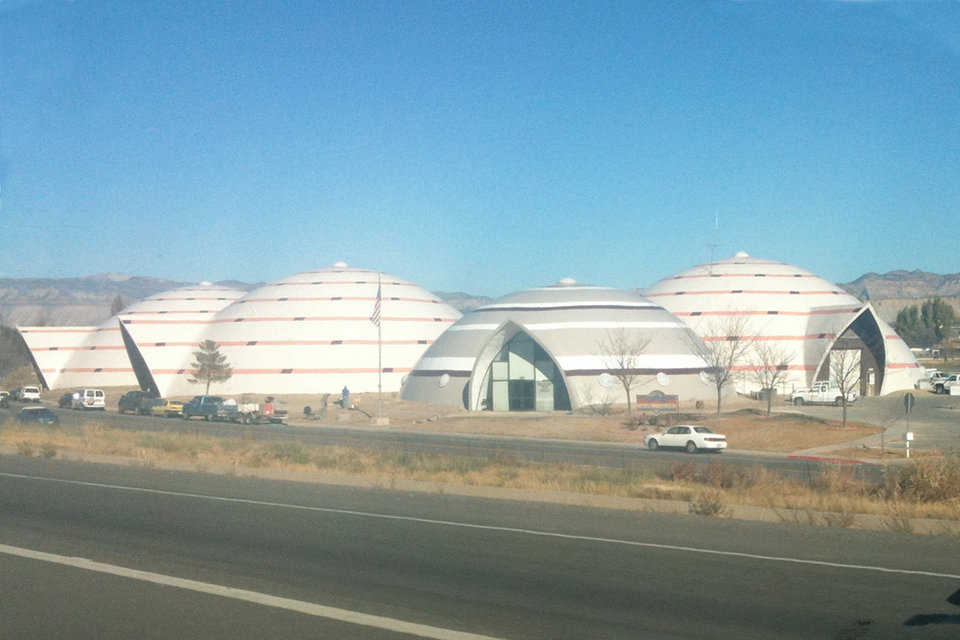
908, 401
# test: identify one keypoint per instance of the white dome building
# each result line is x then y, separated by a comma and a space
308, 333
70, 357
803, 315
164, 330
543, 349
67, 357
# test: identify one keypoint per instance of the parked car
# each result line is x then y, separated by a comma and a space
690, 437
166, 408
90, 399
139, 402
40, 415
943, 384
66, 400
4, 399
203, 406
29, 394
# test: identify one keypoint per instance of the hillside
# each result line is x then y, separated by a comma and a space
75, 301
892, 291
86, 300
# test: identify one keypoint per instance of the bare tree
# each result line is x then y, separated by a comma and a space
845, 373
117, 305
770, 364
210, 365
724, 348
621, 351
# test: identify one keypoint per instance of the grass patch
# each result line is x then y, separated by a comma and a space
928, 487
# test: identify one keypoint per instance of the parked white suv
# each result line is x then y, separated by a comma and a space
89, 399
29, 394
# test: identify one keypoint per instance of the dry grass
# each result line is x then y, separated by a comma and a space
928, 488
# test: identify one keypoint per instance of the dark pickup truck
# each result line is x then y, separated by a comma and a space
202, 406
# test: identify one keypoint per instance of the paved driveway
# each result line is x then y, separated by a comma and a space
934, 421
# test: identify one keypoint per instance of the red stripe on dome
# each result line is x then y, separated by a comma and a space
289, 319
190, 299
812, 336
80, 348
335, 298
743, 292
744, 275
792, 367
276, 343
286, 372
902, 365
765, 312
65, 330
88, 370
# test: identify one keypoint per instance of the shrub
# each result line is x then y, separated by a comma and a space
291, 452
709, 503
47, 450
926, 480
24, 448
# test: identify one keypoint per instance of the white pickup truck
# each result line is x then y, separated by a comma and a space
821, 393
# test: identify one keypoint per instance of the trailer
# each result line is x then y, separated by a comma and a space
251, 412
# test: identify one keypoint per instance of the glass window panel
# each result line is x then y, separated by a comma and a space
545, 370
501, 396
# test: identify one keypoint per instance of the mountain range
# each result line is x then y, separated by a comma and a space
87, 300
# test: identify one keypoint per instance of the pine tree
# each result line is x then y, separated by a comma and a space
210, 365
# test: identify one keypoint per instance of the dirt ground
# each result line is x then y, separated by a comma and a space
743, 421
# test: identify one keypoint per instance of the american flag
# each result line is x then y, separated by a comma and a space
375, 316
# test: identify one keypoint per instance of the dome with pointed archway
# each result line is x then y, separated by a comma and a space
558, 347
799, 316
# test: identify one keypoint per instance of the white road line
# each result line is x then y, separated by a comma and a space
487, 527
300, 606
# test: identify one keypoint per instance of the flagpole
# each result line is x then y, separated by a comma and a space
379, 355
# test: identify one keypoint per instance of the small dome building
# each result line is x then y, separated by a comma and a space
550, 348
71, 357
309, 333
805, 317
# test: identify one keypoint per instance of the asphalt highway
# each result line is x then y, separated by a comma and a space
89, 551
571, 452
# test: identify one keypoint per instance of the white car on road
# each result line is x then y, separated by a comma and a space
690, 437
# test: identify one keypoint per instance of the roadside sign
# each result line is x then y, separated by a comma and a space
908, 402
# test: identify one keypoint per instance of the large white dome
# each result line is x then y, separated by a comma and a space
784, 305
312, 333
544, 349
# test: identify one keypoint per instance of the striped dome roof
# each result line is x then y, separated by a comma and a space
97, 356
569, 322
312, 332
776, 302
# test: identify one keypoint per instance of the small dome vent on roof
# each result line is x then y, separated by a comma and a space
206, 283
741, 255
340, 265
566, 282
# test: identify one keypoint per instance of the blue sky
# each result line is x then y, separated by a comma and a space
477, 146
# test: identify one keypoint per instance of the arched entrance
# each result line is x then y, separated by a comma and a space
523, 377
863, 338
